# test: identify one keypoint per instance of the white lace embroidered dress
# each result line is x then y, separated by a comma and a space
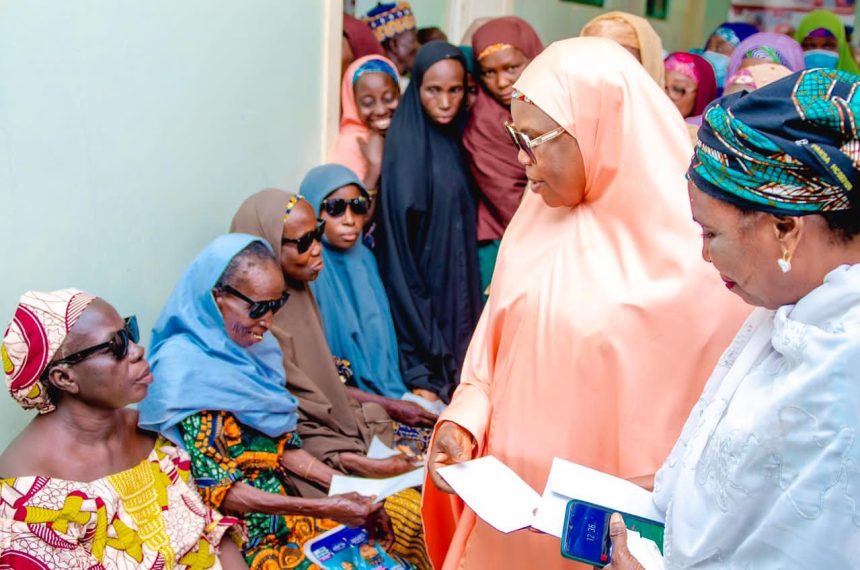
766, 473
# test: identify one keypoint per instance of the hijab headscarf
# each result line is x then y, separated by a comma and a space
361, 40
199, 367
634, 32
41, 324
732, 32
788, 148
427, 250
352, 300
775, 48
829, 21
353, 131
492, 154
329, 422
699, 70
595, 309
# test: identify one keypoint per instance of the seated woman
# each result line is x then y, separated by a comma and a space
503, 46
752, 78
336, 429
426, 245
771, 443
221, 393
635, 34
822, 35
82, 486
350, 295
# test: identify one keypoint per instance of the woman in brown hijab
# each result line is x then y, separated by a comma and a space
502, 47
634, 34
334, 427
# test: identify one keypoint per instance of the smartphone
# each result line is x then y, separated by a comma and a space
586, 532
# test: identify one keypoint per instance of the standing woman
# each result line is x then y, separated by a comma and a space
601, 301
634, 34
503, 47
427, 247
822, 35
369, 95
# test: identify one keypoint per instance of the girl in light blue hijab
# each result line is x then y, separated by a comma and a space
350, 294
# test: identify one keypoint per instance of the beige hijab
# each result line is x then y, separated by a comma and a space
634, 32
330, 422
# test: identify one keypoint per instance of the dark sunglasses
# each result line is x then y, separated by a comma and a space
256, 309
117, 345
304, 242
336, 207
526, 144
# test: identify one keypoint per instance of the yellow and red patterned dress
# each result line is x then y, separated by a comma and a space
149, 516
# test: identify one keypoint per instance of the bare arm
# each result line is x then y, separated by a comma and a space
408, 413
644, 481
231, 557
306, 466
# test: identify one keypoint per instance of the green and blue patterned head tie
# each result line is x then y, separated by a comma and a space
789, 148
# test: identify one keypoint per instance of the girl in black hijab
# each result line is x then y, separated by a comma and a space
427, 244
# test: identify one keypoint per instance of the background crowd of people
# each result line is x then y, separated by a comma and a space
508, 253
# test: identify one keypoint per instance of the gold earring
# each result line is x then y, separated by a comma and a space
784, 262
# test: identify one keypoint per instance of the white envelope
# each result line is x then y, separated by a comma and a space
569, 480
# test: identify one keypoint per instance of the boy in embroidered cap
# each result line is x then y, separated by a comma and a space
395, 28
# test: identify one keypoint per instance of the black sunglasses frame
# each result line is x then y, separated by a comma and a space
336, 207
118, 345
304, 242
258, 309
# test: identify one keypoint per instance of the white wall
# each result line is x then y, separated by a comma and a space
131, 131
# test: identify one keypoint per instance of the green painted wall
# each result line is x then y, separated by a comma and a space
131, 131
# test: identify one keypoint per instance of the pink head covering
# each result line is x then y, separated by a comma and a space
608, 303
699, 70
40, 325
347, 150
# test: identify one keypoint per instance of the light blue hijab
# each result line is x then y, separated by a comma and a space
352, 300
197, 367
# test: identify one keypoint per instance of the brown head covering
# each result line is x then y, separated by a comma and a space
634, 32
330, 422
492, 155
361, 40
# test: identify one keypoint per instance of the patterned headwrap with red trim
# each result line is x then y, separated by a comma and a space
41, 323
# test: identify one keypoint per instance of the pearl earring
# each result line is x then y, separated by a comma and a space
784, 262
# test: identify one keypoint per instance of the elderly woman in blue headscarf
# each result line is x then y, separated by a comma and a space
220, 394
766, 472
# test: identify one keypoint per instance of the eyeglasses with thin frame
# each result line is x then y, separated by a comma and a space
257, 309
528, 144
304, 242
336, 207
117, 345
676, 91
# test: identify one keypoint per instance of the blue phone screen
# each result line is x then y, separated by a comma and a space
587, 534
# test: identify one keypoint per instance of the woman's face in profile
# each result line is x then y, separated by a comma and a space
302, 266
260, 282
743, 247
558, 174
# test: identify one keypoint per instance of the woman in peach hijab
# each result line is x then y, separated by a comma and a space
603, 321
635, 34
369, 95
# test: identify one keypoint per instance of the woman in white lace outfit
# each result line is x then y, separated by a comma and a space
766, 473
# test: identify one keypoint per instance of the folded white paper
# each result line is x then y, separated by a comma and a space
381, 488
571, 481
494, 492
379, 450
645, 551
